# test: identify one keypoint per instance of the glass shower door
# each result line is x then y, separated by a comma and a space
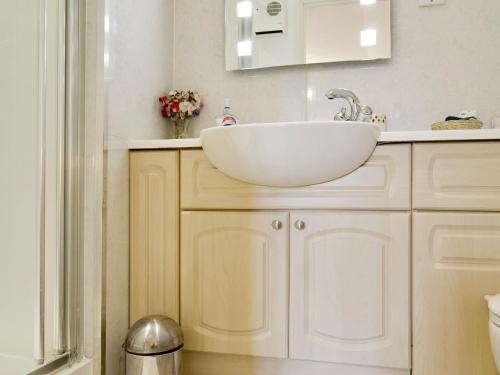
32, 127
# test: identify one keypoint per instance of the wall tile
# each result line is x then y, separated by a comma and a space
139, 69
264, 95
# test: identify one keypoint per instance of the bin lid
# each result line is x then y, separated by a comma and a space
155, 334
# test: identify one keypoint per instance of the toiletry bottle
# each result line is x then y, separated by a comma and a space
495, 121
228, 119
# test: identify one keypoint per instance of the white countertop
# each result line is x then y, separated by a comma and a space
440, 135
164, 143
385, 137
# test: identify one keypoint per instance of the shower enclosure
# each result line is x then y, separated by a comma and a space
40, 198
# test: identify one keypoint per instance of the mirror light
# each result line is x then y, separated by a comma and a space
368, 38
245, 48
244, 9
367, 2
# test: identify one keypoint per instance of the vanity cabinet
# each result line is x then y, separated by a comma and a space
234, 277
456, 262
350, 288
154, 235
328, 288
349, 285
456, 255
321, 274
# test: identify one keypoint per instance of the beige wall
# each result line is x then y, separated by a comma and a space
445, 59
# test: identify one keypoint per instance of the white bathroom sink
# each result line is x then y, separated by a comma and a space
290, 153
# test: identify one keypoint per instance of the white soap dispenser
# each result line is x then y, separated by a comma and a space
227, 118
495, 121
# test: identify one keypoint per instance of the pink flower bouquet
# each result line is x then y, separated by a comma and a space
179, 107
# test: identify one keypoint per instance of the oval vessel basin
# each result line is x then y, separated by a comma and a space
292, 153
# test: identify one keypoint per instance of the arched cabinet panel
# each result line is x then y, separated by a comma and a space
350, 288
154, 238
234, 272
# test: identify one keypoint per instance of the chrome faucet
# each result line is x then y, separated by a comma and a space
357, 112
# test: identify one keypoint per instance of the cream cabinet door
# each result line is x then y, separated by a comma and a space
456, 176
349, 288
234, 277
154, 234
456, 262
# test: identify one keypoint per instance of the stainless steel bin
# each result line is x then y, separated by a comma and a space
153, 347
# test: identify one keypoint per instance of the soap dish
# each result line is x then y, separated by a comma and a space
457, 125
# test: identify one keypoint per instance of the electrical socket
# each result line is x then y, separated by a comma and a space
430, 3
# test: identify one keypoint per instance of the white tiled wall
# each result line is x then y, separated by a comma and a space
445, 59
138, 69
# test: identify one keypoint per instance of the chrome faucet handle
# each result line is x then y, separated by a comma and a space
342, 115
365, 114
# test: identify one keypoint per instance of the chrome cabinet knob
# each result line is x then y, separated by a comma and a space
300, 225
277, 225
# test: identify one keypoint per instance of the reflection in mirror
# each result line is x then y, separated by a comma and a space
265, 33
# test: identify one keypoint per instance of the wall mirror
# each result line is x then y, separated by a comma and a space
266, 33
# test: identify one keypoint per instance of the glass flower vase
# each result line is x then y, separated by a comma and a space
180, 128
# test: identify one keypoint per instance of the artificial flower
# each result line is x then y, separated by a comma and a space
181, 104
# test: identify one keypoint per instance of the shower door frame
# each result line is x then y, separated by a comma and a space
74, 176
70, 187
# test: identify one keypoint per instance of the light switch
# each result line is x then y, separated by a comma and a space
430, 3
